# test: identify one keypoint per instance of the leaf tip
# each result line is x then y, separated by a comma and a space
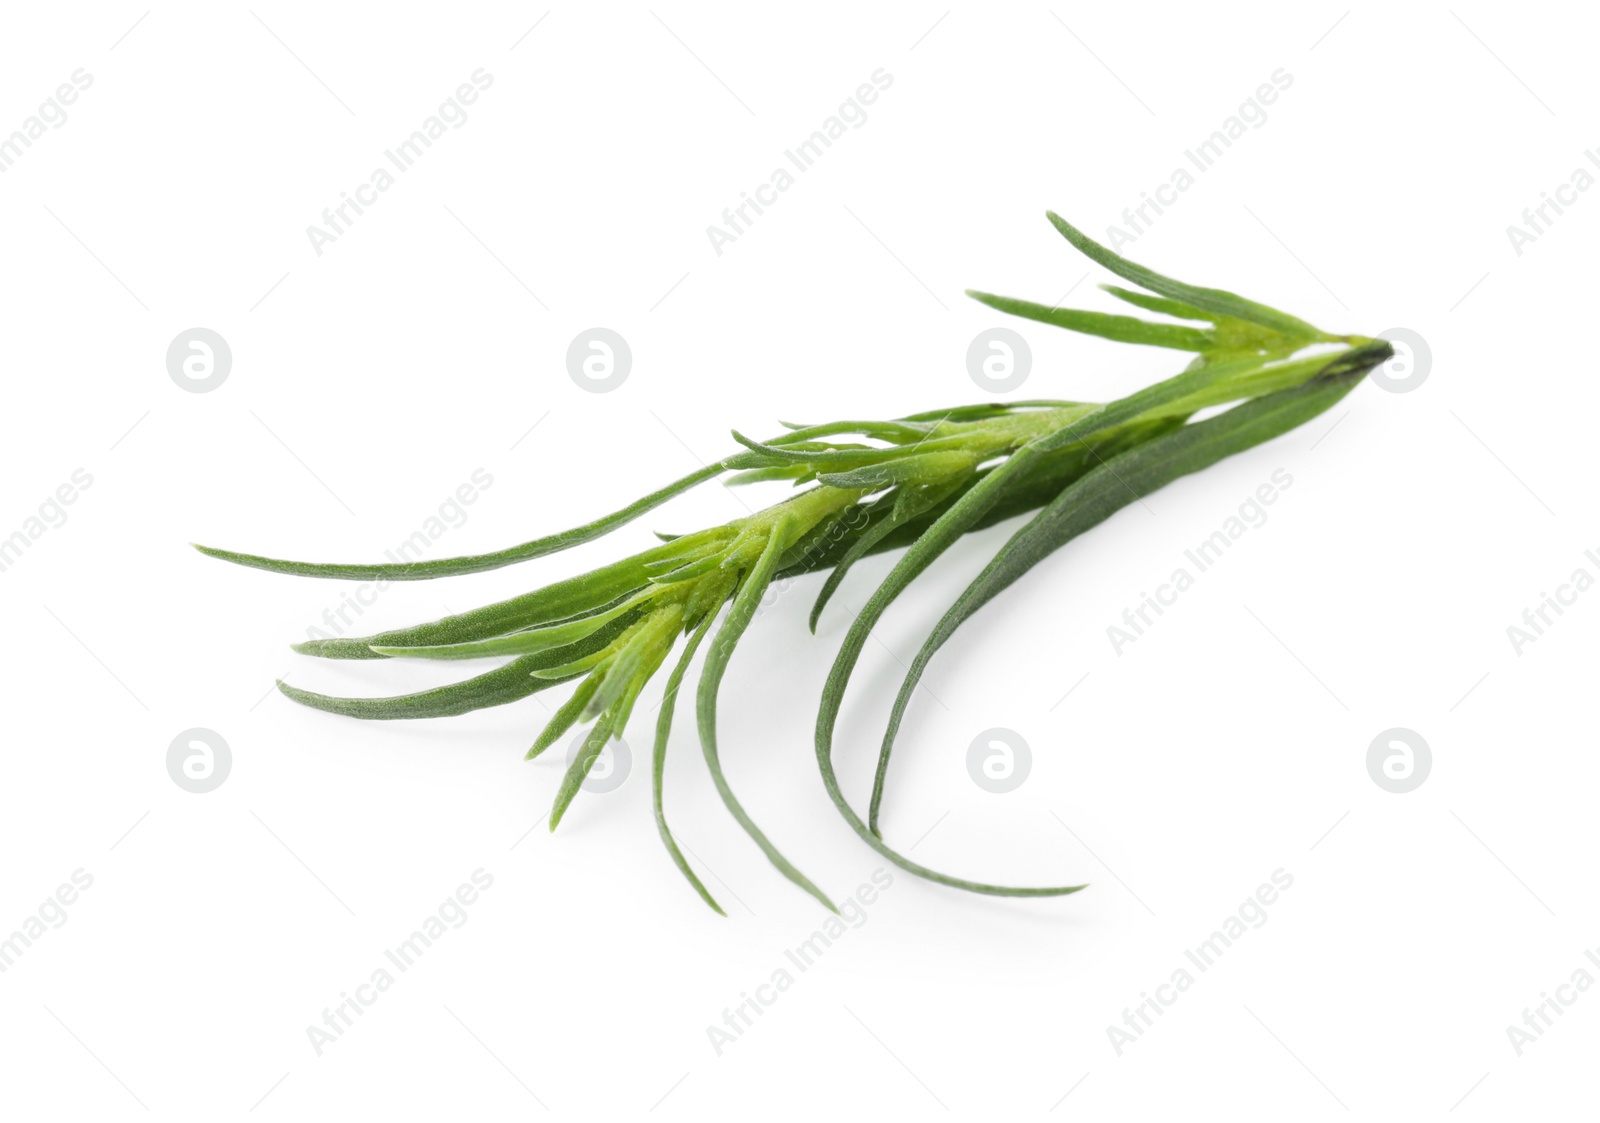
756, 446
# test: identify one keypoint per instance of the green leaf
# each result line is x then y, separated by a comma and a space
1208, 384
567, 716
1122, 329
591, 592
578, 770
658, 764
637, 660
808, 453
987, 411
896, 432
528, 642
690, 570
950, 526
1175, 308
957, 520
477, 563
908, 468
904, 506
983, 411
494, 688
1109, 487
1211, 300
734, 624
796, 472
1038, 483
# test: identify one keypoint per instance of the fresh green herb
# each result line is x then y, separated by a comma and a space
920, 482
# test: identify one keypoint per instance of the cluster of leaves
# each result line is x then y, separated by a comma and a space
920, 481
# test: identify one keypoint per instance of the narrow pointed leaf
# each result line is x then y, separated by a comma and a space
658, 763
529, 642
1211, 300
910, 467
578, 770
767, 475
594, 591
1175, 308
1122, 329
477, 563
567, 716
904, 507
733, 625
1108, 488
933, 542
493, 688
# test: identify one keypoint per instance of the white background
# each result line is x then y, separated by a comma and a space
372, 380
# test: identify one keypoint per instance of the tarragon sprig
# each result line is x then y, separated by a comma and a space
920, 481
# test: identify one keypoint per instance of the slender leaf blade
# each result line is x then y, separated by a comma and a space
476, 563
658, 762
734, 624
1112, 485
493, 688
1211, 300
1121, 329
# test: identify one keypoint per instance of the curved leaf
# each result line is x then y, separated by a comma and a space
494, 688
658, 763
594, 591
946, 529
1122, 329
1175, 308
1211, 300
599, 734
738, 619
1111, 486
528, 642
476, 563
